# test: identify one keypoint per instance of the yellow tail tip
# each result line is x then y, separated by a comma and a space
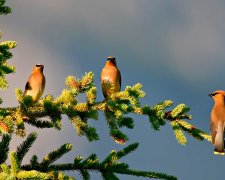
219, 153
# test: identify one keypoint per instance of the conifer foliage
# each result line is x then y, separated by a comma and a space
117, 110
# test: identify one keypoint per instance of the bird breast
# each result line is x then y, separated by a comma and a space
110, 74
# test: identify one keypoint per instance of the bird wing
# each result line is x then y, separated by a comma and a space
120, 79
212, 131
27, 86
104, 93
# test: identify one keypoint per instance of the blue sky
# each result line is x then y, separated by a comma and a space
174, 48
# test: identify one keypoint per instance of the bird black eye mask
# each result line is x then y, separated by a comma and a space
213, 94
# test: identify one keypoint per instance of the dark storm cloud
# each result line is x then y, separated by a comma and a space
175, 48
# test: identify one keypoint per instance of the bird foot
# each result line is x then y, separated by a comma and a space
219, 153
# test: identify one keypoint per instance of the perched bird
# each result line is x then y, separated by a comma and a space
111, 83
110, 77
217, 121
36, 83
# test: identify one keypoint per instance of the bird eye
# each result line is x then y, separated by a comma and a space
111, 59
213, 94
38, 65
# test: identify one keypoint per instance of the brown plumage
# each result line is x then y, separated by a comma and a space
36, 83
110, 77
217, 121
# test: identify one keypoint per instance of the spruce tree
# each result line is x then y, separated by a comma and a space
117, 109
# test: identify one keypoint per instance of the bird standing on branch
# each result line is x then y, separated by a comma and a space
110, 78
36, 83
217, 121
111, 83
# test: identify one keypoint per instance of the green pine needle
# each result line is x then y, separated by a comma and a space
146, 174
109, 176
4, 9
25, 146
56, 154
127, 150
85, 174
4, 148
15, 165
40, 123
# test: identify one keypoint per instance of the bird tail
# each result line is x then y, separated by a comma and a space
219, 140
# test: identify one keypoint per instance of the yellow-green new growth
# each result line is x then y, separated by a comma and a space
5, 54
8, 44
179, 110
91, 95
178, 133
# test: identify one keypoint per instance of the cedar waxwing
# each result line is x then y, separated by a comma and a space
110, 77
217, 121
36, 83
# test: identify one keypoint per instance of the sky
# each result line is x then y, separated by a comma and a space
174, 48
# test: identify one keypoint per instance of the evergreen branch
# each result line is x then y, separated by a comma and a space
5, 169
120, 104
32, 175
2, 2
109, 175
104, 170
85, 174
6, 69
127, 122
15, 165
40, 123
178, 133
110, 159
91, 160
60, 175
115, 133
6, 125
4, 148
127, 150
3, 176
34, 161
90, 133
107, 168
5, 54
179, 110
7, 110
83, 85
20, 126
4, 9
16, 173
3, 83
195, 132
146, 174
56, 154
25, 146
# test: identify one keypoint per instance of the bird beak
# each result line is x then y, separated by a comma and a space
210, 95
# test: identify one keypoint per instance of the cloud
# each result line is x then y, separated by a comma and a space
195, 46
175, 48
